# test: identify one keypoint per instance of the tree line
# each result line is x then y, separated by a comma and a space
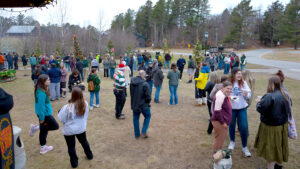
181, 22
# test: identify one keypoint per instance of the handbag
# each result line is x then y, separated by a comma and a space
292, 132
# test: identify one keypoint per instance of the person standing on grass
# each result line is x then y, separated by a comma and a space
221, 117
46, 66
131, 61
236, 62
214, 79
173, 76
85, 67
63, 80
272, 136
74, 118
226, 64
16, 60
217, 87
95, 89
180, 64
10, 61
247, 76
240, 93
221, 61
43, 110
120, 91
79, 67
212, 63
32, 61
54, 75
112, 67
140, 59
140, 103
106, 66
2, 60
72, 62
191, 68
149, 76
158, 77
142, 66
201, 81
127, 73
35, 75
243, 62
168, 58
66, 60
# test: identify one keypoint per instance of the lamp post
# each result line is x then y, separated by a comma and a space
206, 37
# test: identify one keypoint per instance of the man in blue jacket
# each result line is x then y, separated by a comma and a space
54, 75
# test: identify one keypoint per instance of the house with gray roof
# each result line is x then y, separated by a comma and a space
22, 30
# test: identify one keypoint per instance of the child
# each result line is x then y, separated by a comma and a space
74, 118
94, 90
43, 110
201, 82
63, 79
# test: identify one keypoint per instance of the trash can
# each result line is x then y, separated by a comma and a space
20, 155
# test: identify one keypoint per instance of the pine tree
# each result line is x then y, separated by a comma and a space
197, 52
166, 48
57, 50
76, 49
37, 51
110, 47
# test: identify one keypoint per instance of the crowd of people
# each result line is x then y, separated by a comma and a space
227, 97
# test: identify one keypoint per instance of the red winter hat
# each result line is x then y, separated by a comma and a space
121, 66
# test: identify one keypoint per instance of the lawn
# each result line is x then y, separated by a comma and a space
284, 55
177, 140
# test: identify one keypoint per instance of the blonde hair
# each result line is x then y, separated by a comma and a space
214, 78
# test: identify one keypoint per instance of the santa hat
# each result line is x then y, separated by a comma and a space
121, 66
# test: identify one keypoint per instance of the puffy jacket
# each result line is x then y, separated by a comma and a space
274, 109
202, 78
6, 102
158, 76
140, 94
181, 63
149, 73
54, 75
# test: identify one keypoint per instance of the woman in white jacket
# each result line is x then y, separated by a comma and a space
74, 116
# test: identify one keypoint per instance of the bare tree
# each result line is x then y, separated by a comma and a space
62, 15
101, 26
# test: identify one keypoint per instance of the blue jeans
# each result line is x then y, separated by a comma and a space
157, 92
243, 67
136, 122
150, 85
92, 98
241, 117
173, 94
81, 75
226, 68
112, 72
167, 64
67, 65
54, 89
10, 65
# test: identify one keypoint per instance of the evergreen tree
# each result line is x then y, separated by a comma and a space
37, 51
240, 21
290, 27
110, 47
166, 48
76, 49
128, 20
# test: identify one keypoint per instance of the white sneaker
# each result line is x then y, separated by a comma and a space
33, 128
45, 149
246, 152
96, 105
231, 145
91, 107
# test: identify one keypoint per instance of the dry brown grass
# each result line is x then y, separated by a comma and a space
284, 55
178, 138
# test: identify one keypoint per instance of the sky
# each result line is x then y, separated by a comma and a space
88, 12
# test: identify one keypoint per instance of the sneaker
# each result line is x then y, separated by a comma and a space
144, 136
91, 107
246, 152
33, 128
64, 96
45, 149
96, 105
121, 118
231, 145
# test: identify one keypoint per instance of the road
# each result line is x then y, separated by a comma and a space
290, 69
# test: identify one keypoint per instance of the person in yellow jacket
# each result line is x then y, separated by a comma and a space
201, 78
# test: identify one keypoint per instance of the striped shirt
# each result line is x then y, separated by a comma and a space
119, 80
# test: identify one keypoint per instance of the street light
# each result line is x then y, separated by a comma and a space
206, 37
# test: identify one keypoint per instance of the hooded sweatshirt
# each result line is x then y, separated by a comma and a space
72, 123
158, 76
140, 94
202, 78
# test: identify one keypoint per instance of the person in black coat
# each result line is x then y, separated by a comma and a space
16, 60
140, 103
79, 67
74, 79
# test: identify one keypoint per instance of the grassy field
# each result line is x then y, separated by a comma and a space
178, 138
284, 55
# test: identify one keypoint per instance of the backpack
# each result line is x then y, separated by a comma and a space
91, 86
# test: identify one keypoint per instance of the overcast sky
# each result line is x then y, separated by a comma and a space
86, 12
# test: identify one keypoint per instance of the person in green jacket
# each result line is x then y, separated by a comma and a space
85, 66
93, 77
43, 110
173, 76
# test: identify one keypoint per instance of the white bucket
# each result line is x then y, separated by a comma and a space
20, 155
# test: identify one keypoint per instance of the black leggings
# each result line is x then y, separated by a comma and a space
180, 70
48, 124
71, 147
210, 126
105, 72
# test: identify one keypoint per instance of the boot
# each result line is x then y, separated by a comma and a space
204, 101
